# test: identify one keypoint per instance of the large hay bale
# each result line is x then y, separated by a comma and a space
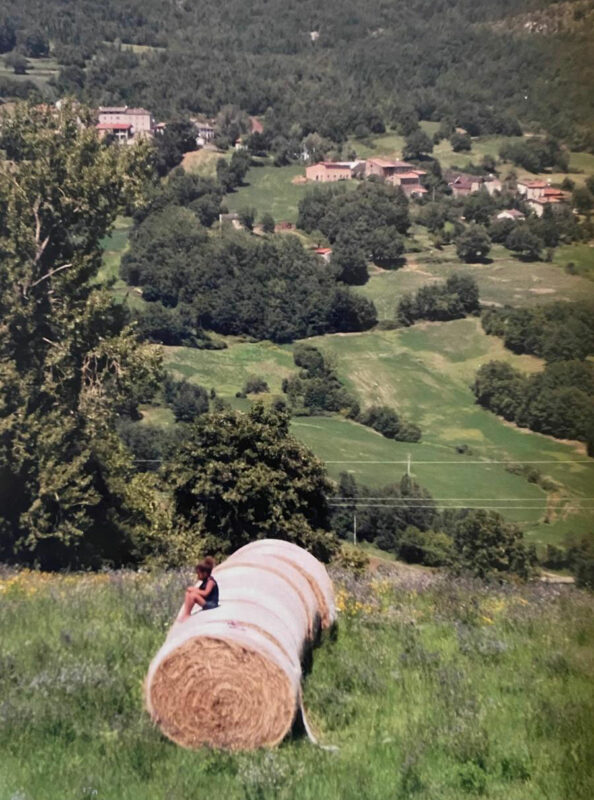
230, 677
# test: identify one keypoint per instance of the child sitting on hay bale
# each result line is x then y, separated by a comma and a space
206, 595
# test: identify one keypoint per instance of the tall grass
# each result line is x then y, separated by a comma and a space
431, 688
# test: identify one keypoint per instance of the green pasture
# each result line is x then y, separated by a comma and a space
227, 370
503, 280
429, 688
40, 71
580, 255
269, 190
114, 246
203, 162
425, 373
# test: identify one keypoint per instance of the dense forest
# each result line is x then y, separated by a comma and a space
557, 401
555, 332
334, 68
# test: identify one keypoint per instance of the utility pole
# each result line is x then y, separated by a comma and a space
354, 527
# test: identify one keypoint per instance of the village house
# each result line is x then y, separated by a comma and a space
511, 213
126, 124
462, 185
330, 171
549, 197
324, 252
532, 190
397, 173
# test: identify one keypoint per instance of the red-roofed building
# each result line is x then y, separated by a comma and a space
121, 131
532, 190
324, 252
549, 197
140, 122
463, 185
397, 173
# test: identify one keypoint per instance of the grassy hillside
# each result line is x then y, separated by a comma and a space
425, 373
431, 688
270, 190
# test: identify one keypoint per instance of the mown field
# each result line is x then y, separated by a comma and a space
432, 688
425, 373
39, 72
503, 280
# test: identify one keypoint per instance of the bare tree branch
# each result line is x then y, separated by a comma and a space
50, 274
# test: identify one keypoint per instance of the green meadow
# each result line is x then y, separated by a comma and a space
39, 72
270, 190
430, 688
425, 373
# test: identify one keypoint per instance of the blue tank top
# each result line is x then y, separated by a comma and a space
212, 600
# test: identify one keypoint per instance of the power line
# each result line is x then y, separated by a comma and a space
472, 507
464, 463
397, 498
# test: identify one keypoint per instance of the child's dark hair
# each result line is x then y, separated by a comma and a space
206, 566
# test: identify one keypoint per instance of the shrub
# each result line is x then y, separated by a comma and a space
255, 385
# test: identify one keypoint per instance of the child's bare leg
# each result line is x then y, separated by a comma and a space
192, 598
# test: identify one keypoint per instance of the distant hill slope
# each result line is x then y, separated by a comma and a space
333, 67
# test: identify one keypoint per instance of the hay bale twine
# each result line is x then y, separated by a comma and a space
230, 677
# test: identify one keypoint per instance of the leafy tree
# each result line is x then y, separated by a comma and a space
452, 299
255, 385
177, 138
239, 477
417, 144
522, 241
348, 258
268, 223
187, 400
386, 421
487, 545
461, 142
474, 244
35, 44
69, 365
582, 199
7, 36
247, 217
17, 62
387, 247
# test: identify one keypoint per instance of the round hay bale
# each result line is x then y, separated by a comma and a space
266, 588
225, 686
263, 560
308, 565
230, 677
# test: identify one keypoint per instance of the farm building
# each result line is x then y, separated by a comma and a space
549, 197
330, 171
127, 124
462, 185
398, 173
532, 190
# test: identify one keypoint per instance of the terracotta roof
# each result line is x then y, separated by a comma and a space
512, 212
322, 251
335, 165
534, 184
386, 162
256, 126
122, 110
407, 175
